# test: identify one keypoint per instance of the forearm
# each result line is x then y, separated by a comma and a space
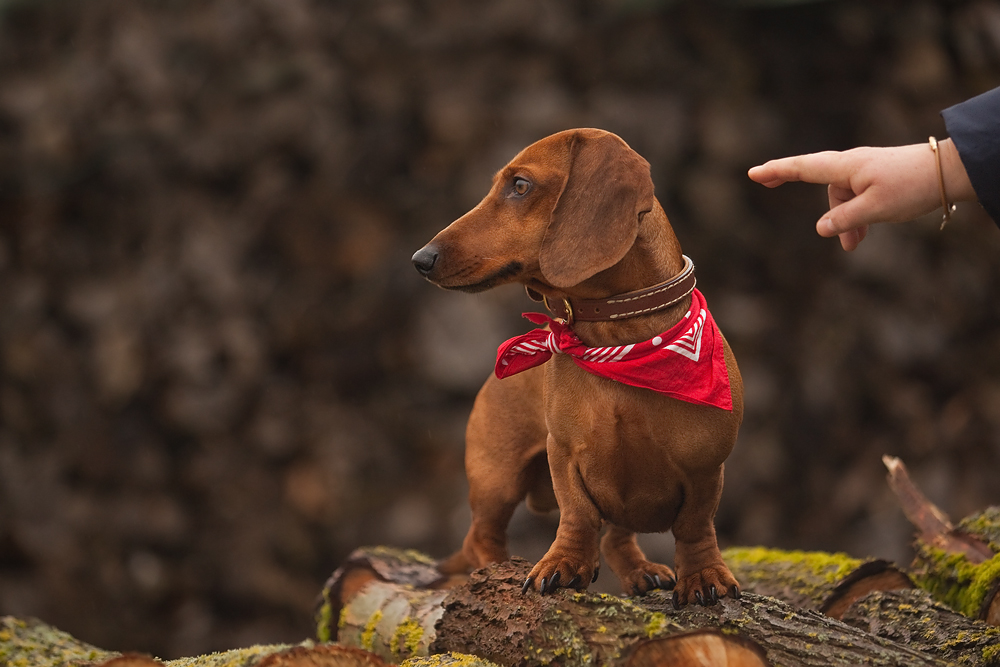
957, 185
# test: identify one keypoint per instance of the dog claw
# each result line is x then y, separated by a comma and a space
699, 598
656, 580
573, 582
713, 595
734, 592
527, 584
671, 583
552, 585
652, 582
597, 571
675, 601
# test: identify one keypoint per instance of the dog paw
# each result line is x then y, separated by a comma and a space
647, 576
553, 573
706, 587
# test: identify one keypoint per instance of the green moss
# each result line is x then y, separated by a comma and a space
407, 636
368, 635
607, 612
323, 620
35, 644
985, 525
448, 660
967, 641
342, 621
831, 567
401, 554
234, 658
955, 581
657, 621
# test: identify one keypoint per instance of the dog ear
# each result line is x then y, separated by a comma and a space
596, 219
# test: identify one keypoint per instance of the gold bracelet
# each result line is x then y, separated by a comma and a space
948, 208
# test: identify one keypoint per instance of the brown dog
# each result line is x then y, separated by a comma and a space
573, 217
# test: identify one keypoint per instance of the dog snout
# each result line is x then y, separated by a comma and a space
425, 259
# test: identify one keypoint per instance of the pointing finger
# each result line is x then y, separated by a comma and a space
825, 167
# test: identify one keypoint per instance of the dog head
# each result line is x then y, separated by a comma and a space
565, 208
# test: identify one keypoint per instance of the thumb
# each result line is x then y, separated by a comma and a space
852, 214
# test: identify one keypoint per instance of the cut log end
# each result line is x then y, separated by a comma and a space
992, 610
368, 564
829, 583
873, 575
705, 648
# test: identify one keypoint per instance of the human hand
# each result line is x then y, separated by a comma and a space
870, 185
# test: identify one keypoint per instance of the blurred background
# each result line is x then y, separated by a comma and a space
219, 372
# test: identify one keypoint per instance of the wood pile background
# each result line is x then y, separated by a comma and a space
219, 373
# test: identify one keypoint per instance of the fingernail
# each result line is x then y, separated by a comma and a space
825, 227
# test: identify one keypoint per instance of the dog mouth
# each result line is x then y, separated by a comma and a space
502, 275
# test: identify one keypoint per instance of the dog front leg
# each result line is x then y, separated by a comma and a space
505, 444
486, 541
499, 479
702, 576
572, 560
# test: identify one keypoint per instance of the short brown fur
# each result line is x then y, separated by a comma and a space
587, 226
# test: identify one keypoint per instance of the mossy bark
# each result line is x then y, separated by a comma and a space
489, 616
913, 617
396, 604
967, 587
31, 643
448, 660
395, 618
821, 581
393, 621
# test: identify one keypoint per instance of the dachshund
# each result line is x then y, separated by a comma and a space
573, 218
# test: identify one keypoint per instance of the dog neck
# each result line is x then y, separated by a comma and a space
654, 258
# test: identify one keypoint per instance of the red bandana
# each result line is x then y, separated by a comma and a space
686, 362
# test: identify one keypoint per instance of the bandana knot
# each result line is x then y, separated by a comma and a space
687, 362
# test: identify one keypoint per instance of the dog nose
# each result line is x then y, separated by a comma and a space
425, 259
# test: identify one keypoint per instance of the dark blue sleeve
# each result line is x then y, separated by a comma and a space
974, 127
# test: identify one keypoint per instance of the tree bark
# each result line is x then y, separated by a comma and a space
828, 583
491, 615
32, 643
914, 618
396, 605
488, 616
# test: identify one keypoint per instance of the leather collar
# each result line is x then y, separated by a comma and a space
630, 304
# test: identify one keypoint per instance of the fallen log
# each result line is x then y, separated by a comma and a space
914, 618
397, 604
960, 566
488, 616
828, 583
31, 643
34, 643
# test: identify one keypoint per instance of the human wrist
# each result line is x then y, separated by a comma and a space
957, 185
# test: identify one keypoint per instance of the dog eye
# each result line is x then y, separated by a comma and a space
521, 186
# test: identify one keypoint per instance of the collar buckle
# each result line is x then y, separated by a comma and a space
567, 308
